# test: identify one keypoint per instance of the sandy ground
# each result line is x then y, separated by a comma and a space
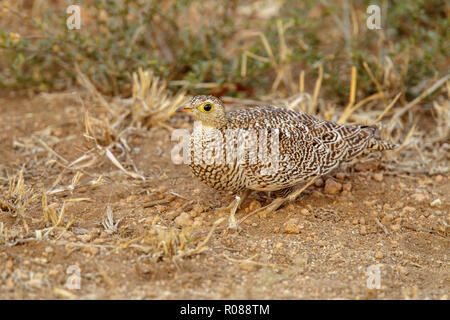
319, 247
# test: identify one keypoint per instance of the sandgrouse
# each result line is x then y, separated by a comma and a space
267, 148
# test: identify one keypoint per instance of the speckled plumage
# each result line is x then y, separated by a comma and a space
308, 146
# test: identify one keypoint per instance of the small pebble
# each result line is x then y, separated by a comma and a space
419, 197
162, 190
407, 210
184, 220
363, 230
366, 166
398, 204
379, 255
91, 249
254, 205
290, 207
278, 246
436, 203
35, 283
370, 203
85, 237
10, 283
66, 235
198, 209
402, 270
347, 187
9, 265
378, 177
198, 222
193, 213
318, 182
161, 209
323, 243
340, 176
291, 227
171, 215
316, 194
247, 266
332, 187
387, 218
131, 198
94, 250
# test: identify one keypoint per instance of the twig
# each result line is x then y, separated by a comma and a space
425, 93
159, 201
312, 107
382, 226
46, 147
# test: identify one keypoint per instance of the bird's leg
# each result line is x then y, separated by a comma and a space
233, 206
297, 192
232, 223
229, 207
278, 202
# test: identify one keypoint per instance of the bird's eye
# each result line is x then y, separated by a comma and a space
207, 107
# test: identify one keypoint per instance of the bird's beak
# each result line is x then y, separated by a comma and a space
186, 108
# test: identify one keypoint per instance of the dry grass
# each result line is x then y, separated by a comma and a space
107, 131
110, 124
18, 196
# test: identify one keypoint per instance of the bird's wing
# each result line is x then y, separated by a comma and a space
317, 144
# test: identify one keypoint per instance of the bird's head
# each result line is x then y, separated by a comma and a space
207, 109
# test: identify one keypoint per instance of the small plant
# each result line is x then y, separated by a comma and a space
18, 197
206, 47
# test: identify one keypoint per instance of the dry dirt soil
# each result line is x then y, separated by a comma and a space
319, 247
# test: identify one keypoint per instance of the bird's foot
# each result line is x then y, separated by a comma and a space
233, 224
273, 206
278, 202
226, 208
